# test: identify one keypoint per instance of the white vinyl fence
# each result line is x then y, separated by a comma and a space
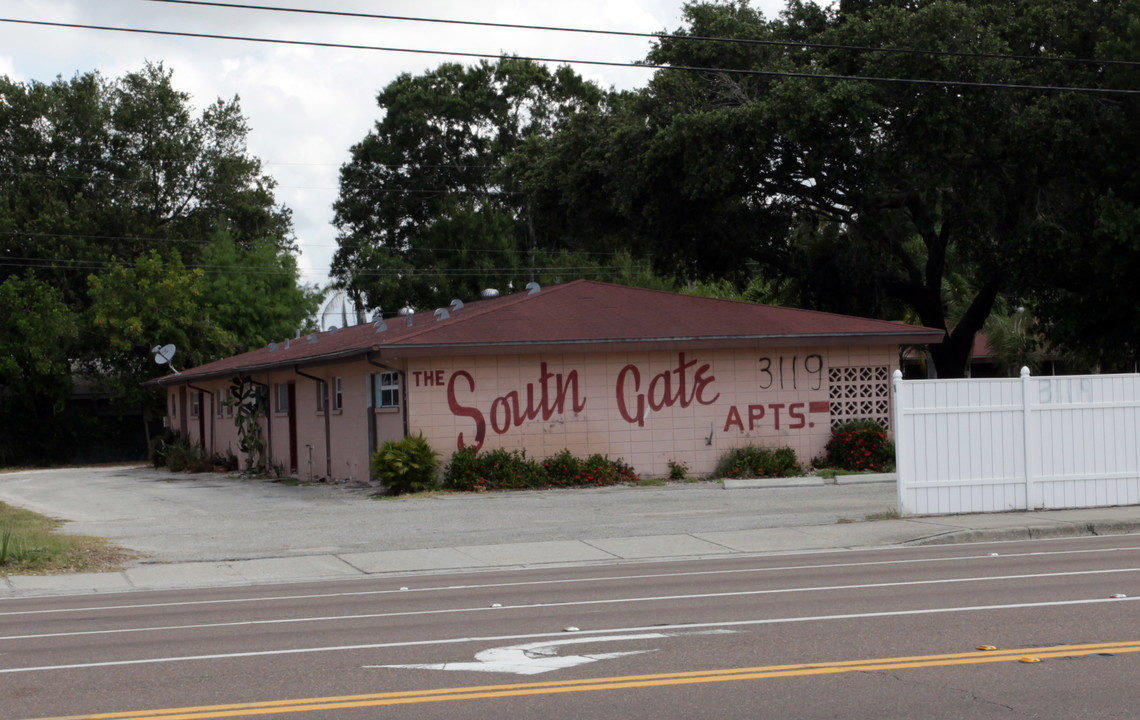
965, 446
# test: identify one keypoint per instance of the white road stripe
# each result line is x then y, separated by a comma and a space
571, 603
567, 581
501, 638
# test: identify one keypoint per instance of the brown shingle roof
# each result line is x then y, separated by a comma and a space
576, 316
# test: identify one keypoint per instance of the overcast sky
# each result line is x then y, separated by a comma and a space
307, 106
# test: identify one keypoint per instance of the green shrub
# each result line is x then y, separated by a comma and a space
512, 470
406, 466
600, 470
563, 470
464, 472
160, 447
678, 470
758, 462
183, 456
493, 470
859, 445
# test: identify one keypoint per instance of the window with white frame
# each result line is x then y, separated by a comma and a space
282, 392
338, 398
322, 393
387, 390
195, 403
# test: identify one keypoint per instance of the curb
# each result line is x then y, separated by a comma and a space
748, 483
807, 481
1029, 532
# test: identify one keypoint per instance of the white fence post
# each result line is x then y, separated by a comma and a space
902, 445
1027, 438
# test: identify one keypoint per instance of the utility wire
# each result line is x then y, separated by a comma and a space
207, 241
521, 270
399, 190
564, 61
653, 36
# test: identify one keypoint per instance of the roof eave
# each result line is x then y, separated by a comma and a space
329, 358
724, 341
583, 345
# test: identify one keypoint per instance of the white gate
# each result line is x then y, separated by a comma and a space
965, 446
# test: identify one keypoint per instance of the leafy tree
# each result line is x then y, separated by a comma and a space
93, 169
426, 212
254, 294
1084, 296
36, 331
794, 157
145, 304
110, 186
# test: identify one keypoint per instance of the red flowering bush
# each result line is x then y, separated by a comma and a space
751, 461
859, 445
512, 470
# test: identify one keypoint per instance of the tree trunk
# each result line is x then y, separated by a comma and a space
952, 355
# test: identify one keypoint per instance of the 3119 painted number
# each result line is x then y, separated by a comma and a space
786, 373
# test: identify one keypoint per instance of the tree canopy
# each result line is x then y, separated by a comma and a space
429, 209
131, 221
930, 160
872, 155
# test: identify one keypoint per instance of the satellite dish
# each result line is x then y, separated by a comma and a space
380, 325
272, 347
312, 339
163, 355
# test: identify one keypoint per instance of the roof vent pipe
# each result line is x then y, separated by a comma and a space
490, 293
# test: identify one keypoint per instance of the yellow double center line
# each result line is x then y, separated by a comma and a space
611, 683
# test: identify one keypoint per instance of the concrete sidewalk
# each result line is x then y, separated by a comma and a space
206, 530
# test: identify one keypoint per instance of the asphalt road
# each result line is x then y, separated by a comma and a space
859, 634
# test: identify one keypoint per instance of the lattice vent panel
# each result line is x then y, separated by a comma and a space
860, 392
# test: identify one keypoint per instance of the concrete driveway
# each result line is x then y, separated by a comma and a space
174, 517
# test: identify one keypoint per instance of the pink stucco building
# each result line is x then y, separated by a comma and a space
641, 375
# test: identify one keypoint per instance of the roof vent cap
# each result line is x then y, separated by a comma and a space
490, 293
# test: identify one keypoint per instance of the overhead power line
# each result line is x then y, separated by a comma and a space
565, 61
18, 234
521, 270
646, 35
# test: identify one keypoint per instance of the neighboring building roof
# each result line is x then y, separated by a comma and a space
577, 316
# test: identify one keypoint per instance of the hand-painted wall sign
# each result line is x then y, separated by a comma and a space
510, 410
680, 386
638, 394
